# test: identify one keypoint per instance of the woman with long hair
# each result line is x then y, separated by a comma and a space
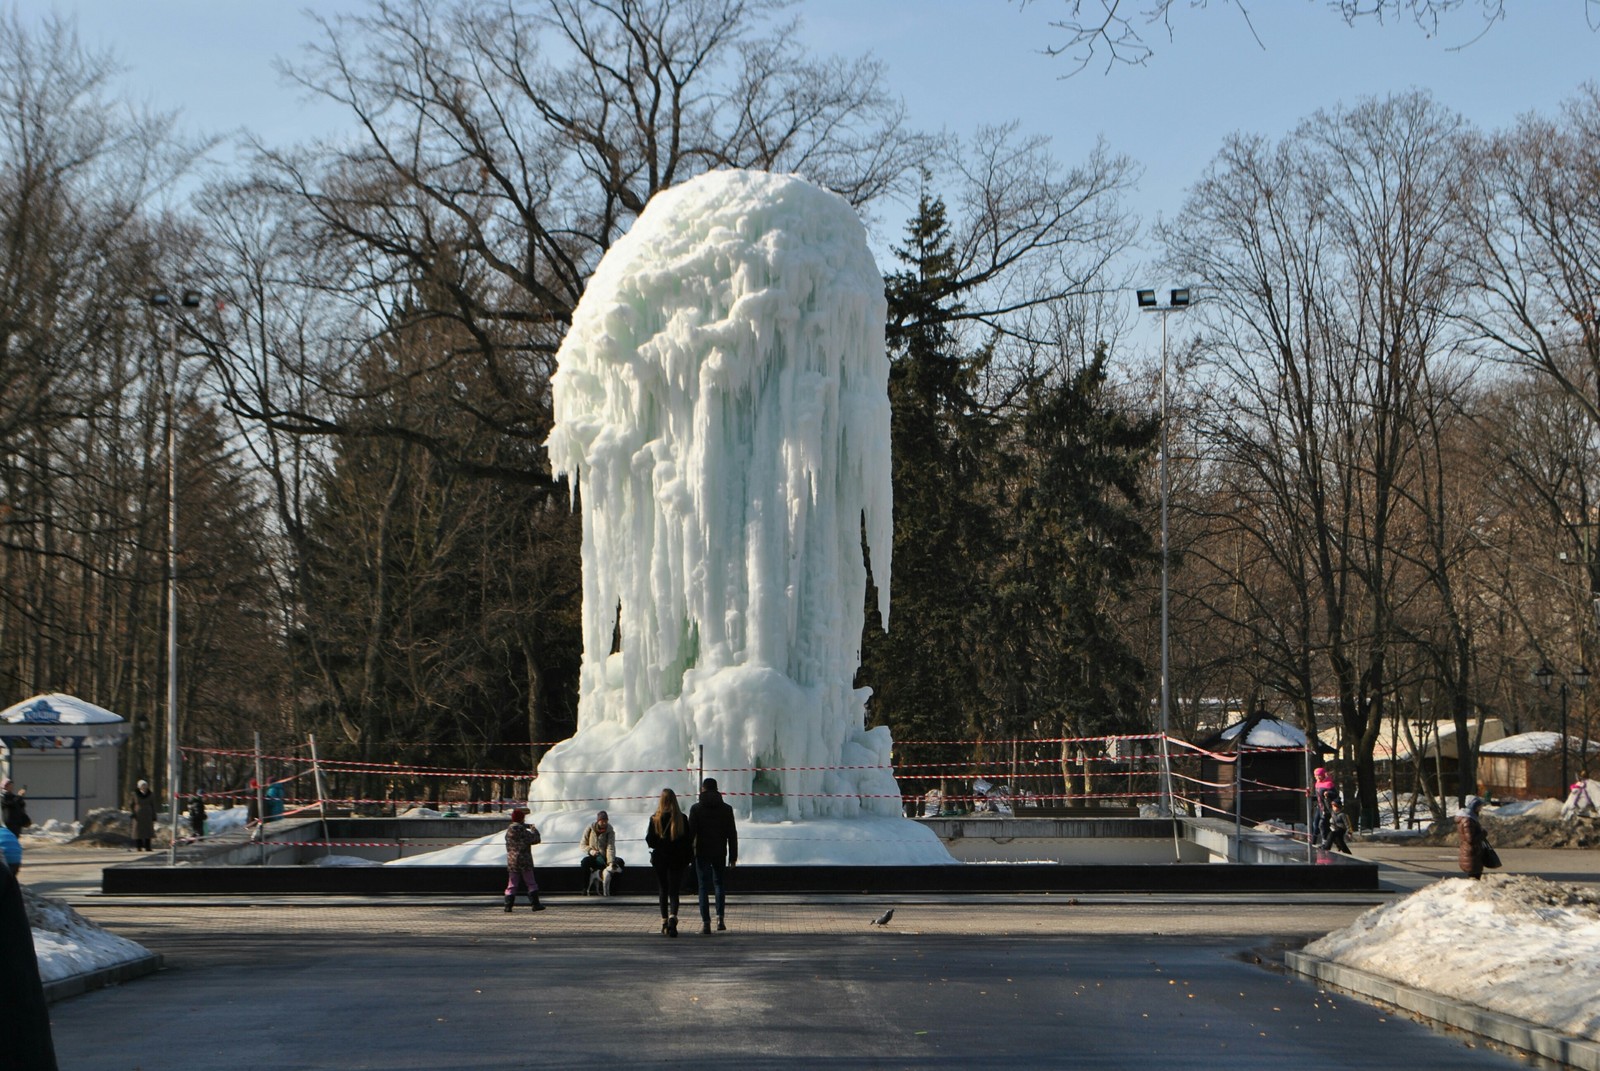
671, 849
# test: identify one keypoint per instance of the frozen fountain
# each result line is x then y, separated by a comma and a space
721, 408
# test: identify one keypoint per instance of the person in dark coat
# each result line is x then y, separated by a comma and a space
520, 839
14, 808
26, 1040
197, 815
671, 848
1471, 840
1337, 826
143, 809
716, 847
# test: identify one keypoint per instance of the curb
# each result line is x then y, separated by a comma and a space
1505, 1029
79, 984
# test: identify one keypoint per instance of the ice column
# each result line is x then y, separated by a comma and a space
721, 405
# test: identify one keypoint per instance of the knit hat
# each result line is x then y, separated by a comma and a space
518, 814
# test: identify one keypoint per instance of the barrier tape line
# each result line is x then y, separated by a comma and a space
1032, 740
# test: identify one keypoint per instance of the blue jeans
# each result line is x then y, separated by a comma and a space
708, 873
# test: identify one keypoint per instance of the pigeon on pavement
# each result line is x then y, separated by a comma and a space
883, 919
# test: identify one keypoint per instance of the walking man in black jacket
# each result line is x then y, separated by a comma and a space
716, 847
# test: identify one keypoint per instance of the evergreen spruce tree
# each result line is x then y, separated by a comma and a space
922, 671
1075, 525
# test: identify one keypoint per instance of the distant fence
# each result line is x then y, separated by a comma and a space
1019, 777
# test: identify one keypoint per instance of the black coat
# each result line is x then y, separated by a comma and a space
668, 851
144, 814
715, 835
15, 808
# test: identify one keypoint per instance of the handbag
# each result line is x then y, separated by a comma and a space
1491, 858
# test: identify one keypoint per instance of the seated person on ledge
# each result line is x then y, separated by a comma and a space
600, 853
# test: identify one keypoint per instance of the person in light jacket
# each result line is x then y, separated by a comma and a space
10, 849
599, 846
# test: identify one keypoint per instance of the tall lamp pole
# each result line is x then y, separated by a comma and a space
1177, 301
1580, 677
163, 302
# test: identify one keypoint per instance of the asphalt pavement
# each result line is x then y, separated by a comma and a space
1092, 981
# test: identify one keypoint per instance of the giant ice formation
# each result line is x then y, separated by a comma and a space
721, 406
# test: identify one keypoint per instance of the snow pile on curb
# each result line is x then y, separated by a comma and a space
67, 944
1540, 827
1517, 945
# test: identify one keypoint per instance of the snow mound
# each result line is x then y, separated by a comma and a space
1513, 944
56, 831
866, 840
1538, 828
67, 944
1546, 809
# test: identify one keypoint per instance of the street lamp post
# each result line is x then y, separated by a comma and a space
1580, 677
1177, 301
163, 302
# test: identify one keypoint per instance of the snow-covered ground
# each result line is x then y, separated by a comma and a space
67, 944
58, 832
868, 840
1517, 945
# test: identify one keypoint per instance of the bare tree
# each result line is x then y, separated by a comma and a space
1323, 262
82, 382
1118, 30
1532, 202
1536, 449
501, 150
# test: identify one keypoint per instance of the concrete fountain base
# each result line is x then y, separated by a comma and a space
1195, 856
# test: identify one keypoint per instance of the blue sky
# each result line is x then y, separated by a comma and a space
962, 63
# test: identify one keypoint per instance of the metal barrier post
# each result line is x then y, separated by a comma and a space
261, 804
1238, 794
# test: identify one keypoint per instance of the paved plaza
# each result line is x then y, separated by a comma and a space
1085, 981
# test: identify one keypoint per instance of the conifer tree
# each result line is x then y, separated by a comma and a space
1075, 525
921, 671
